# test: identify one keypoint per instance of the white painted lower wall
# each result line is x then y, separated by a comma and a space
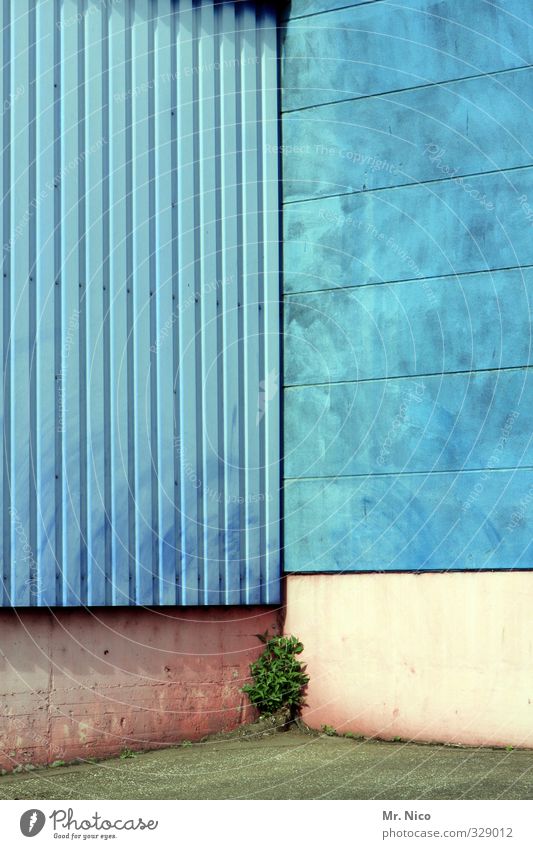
435, 657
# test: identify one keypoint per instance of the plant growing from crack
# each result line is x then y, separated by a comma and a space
279, 678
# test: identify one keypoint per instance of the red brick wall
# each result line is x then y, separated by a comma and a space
88, 683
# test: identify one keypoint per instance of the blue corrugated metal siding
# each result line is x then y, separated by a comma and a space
408, 260
140, 303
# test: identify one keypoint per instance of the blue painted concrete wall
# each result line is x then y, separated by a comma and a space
408, 272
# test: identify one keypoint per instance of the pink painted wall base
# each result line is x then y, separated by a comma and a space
89, 683
434, 657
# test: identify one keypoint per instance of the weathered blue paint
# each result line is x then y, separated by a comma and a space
442, 422
409, 232
300, 8
388, 46
407, 522
140, 307
402, 329
461, 128
408, 261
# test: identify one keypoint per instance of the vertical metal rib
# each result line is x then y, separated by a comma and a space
106, 248
229, 314
219, 479
174, 333
32, 289
6, 306
4, 597
154, 400
254, 398
163, 305
241, 153
82, 308
119, 282
187, 308
20, 330
60, 582
141, 303
196, 378
129, 292
95, 144
265, 378
66, 181
207, 292
270, 240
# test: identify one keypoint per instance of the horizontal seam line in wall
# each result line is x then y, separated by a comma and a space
365, 192
400, 90
298, 294
355, 381
285, 20
401, 474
